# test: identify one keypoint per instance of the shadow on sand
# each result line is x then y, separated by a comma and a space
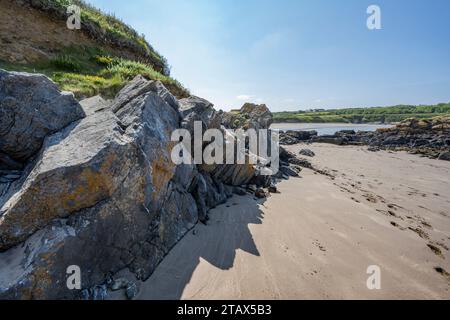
217, 243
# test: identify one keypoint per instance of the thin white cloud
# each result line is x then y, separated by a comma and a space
245, 97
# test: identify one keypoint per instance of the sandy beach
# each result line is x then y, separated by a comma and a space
317, 237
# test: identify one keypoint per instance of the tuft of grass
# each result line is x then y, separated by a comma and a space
66, 62
88, 85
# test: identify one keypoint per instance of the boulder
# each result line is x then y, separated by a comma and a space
260, 193
80, 166
444, 156
250, 116
194, 109
289, 171
259, 116
31, 107
93, 105
307, 153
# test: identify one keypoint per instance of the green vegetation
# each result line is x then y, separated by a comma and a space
120, 54
90, 71
365, 115
106, 28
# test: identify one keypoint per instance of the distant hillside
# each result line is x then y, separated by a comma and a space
365, 115
99, 58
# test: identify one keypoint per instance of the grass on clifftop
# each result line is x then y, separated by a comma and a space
119, 54
365, 115
90, 71
112, 28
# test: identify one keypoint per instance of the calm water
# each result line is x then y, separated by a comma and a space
327, 128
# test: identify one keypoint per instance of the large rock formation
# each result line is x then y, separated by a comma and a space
97, 196
96, 187
250, 116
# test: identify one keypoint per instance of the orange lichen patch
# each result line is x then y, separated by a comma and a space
41, 281
161, 173
73, 192
140, 194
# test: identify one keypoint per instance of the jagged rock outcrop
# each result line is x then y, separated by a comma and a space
31, 108
98, 196
250, 116
97, 188
195, 109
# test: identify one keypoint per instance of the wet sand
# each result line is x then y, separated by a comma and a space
317, 237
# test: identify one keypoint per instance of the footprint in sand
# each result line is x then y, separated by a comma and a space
390, 214
442, 245
371, 198
319, 245
420, 232
443, 272
395, 224
426, 224
356, 200
436, 250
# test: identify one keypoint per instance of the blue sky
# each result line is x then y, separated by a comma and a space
299, 54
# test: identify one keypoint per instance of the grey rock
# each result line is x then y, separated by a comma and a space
31, 107
122, 204
80, 166
132, 291
250, 116
289, 171
195, 109
260, 193
139, 86
93, 105
273, 189
444, 156
296, 168
119, 284
307, 153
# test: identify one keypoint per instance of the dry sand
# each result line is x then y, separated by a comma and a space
316, 239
